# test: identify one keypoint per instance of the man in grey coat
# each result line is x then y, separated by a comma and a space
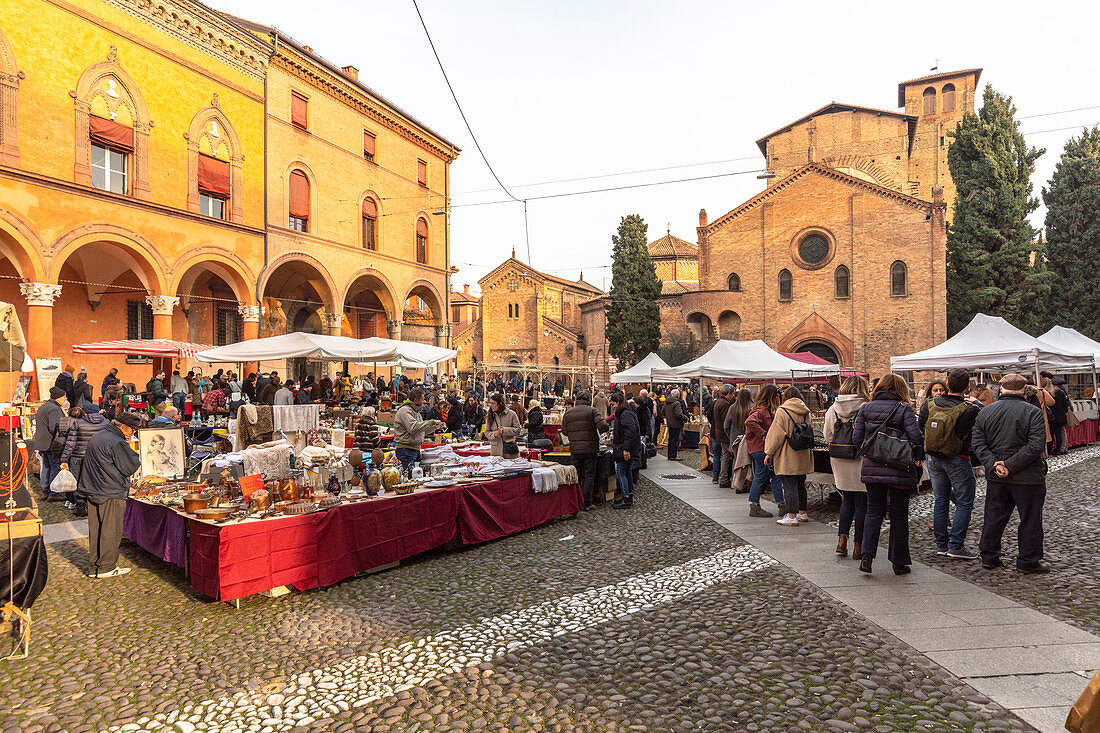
47, 428
1009, 438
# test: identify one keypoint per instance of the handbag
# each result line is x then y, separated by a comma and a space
510, 449
889, 446
1084, 716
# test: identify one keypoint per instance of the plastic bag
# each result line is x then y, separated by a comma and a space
64, 482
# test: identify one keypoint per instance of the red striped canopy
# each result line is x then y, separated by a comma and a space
142, 347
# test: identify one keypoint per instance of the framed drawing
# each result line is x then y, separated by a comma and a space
162, 452
21, 389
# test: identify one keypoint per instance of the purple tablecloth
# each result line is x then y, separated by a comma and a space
157, 529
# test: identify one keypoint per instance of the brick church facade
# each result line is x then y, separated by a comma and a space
844, 253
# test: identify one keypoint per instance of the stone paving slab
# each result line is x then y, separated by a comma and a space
974, 633
65, 531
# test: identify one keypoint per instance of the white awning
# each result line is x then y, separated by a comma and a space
296, 345
1069, 339
749, 360
640, 372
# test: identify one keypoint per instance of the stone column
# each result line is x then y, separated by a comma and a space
335, 323
162, 306
40, 298
394, 328
250, 314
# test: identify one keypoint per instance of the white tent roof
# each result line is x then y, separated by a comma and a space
640, 372
308, 345
989, 342
410, 354
1069, 339
743, 360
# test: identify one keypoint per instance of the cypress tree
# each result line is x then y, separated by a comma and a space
990, 241
1073, 231
633, 319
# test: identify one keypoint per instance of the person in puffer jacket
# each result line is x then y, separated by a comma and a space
886, 484
76, 442
366, 432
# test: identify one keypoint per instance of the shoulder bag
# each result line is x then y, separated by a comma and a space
889, 446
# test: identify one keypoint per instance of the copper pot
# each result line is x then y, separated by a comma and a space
290, 490
215, 513
194, 502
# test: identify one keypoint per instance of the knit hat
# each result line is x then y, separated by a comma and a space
130, 418
56, 392
1013, 382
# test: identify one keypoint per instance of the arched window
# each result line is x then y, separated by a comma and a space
422, 241
930, 101
786, 285
517, 310
299, 201
948, 97
9, 86
214, 164
370, 224
510, 310
733, 283
899, 279
842, 282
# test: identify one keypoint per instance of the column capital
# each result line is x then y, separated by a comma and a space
40, 293
162, 305
334, 320
250, 312
394, 328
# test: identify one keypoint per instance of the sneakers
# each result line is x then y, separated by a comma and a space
756, 511
69, 505
962, 554
110, 573
788, 521
941, 549
803, 517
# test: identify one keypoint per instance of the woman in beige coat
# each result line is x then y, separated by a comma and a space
789, 464
502, 425
853, 393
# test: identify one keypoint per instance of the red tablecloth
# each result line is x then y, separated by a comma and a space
236, 560
499, 508
1081, 434
551, 431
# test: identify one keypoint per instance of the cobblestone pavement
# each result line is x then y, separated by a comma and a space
655, 619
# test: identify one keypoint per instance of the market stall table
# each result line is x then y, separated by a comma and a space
1083, 433
157, 529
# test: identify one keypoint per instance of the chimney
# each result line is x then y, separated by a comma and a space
702, 217
307, 49
350, 72
937, 194
466, 289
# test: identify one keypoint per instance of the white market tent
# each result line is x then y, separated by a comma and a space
990, 343
296, 345
410, 354
640, 373
1069, 339
749, 360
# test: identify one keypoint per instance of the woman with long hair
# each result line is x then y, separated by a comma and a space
734, 424
626, 447
888, 485
840, 423
789, 463
936, 388
502, 426
757, 425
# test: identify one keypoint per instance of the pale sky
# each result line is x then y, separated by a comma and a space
566, 90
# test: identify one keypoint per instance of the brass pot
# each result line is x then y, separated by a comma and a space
214, 513
290, 490
194, 502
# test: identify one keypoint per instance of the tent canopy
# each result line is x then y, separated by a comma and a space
808, 358
640, 372
1069, 339
743, 360
992, 343
410, 354
142, 347
296, 345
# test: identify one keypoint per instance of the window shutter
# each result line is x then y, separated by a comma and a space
111, 134
299, 195
299, 107
368, 144
370, 209
422, 173
213, 176
421, 228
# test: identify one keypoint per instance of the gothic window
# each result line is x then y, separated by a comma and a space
510, 311
299, 201
948, 97
517, 310
370, 224
214, 160
10, 76
733, 283
108, 167
786, 285
842, 282
899, 279
930, 101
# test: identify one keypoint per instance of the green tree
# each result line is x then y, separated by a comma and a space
990, 241
633, 319
1072, 233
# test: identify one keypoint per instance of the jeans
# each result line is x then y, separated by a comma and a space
877, 496
725, 475
1000, 500
716, 459
673, 442
178, 399
853, 509
760, 475
794, 491
585, 464
952, 478
624, 476
407, 457
50, 467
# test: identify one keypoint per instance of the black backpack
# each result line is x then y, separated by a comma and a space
801, 436
843, 444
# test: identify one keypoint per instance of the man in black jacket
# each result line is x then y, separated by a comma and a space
109, 462
47, 427
1009, 438
582, 424
675, 418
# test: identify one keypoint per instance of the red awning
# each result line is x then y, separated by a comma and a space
213, 176
111, 134
142, 347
